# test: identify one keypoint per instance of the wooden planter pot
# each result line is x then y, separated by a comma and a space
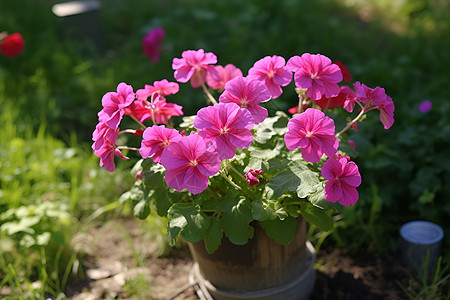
261, 269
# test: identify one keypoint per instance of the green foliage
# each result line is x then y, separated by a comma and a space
289, 187
59, 82
46, 187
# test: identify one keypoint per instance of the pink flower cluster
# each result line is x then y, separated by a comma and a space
225, 126
124, 102
319, 77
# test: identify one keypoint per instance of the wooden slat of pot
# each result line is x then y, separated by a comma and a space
260, 264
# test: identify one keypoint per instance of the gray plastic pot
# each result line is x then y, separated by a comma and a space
421, 244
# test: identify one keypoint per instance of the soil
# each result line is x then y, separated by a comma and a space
120, 263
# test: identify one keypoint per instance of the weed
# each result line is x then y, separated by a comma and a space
423, 286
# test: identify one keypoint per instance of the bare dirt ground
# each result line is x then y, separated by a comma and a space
120, 265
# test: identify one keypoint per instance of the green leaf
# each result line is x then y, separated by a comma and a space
27, 241
141, 209
316, 216
24, 225
427, 197
264, 130
135, 194
137, 167
282, 231
256, 163
282, 182
154, 176
162, 201
214, 235
298, 177
264, 153
308, 179
280, 125
318, 197
258, 211
43, 239
235, 221
187, 219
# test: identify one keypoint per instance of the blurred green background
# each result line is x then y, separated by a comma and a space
50, 95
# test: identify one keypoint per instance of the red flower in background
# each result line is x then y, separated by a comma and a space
150, 43
344, 99
345, 73
12, 45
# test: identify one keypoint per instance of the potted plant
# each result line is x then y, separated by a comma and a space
237, 182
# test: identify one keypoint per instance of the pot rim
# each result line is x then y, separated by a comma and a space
422, 232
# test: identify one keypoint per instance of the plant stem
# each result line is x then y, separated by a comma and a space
300, 103
230, 181
139, 122
205, 90
237, 172
153, 116
132, 131
127, 148
208, 94
363, 111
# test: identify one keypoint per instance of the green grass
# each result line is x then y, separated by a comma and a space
426, 285
50, 95
47, 190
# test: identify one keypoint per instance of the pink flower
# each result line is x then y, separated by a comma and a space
105, 146
315, 73
227, 125
345, 73
189, 164
151, 43
162, 111
346, 98
387, 112
247, 94
376, 99
273, 72
350, 98
193, 65
343, 178
106, 154
218, 76
368, 95
114, 105
155, 140
251, 176
314, 133
425, 106
102, 134
12, 44
163, 88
